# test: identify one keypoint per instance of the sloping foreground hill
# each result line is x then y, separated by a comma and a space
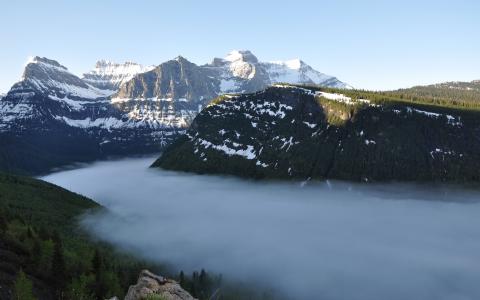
301, 133
44, 255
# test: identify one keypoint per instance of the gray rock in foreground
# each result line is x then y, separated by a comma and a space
149, 283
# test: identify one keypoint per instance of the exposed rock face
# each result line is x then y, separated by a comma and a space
298, 133
149, 283
175, 79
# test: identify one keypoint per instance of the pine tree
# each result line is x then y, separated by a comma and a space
3, 223
36, 252
58, 271
29, 232
203, 278
23, 288
181, 279
98, 270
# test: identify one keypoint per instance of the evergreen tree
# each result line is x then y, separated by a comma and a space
79, 289
3, 223
58, 270
36, 252
97, 267
181, 279
29, 232
43, 233
23, 288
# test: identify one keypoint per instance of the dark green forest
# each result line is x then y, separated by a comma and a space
376, 136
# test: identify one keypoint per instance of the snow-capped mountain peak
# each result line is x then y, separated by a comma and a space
241, 55
297, 71
109, 76
241, 64
49, 77
294, 64
241, 71
45, 62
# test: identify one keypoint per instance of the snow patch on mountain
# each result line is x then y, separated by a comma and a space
51, 78
241, 71
242, 64
109, 76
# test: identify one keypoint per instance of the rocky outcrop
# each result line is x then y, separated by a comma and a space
151, 284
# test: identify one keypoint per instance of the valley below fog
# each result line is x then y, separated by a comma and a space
323, 240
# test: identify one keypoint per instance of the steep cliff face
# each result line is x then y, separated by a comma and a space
175, 79
299, 133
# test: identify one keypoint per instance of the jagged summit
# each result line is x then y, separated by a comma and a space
294, 64
44, 60
104, 63
109, 76
181, 58
47, 76
241, 55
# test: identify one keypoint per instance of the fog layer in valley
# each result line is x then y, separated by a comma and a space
320, 241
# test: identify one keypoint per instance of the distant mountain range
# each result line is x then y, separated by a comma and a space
110, 76
52, 117
302, 133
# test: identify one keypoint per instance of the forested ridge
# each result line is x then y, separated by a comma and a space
310, 132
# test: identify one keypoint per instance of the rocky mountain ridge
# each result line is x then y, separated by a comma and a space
110, 76
238, 72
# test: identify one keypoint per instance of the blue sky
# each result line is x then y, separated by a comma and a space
369, 44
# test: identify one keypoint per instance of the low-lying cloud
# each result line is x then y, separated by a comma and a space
322, 241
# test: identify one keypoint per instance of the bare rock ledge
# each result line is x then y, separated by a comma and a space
149, 284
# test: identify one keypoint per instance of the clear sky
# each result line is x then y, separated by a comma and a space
369, 44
